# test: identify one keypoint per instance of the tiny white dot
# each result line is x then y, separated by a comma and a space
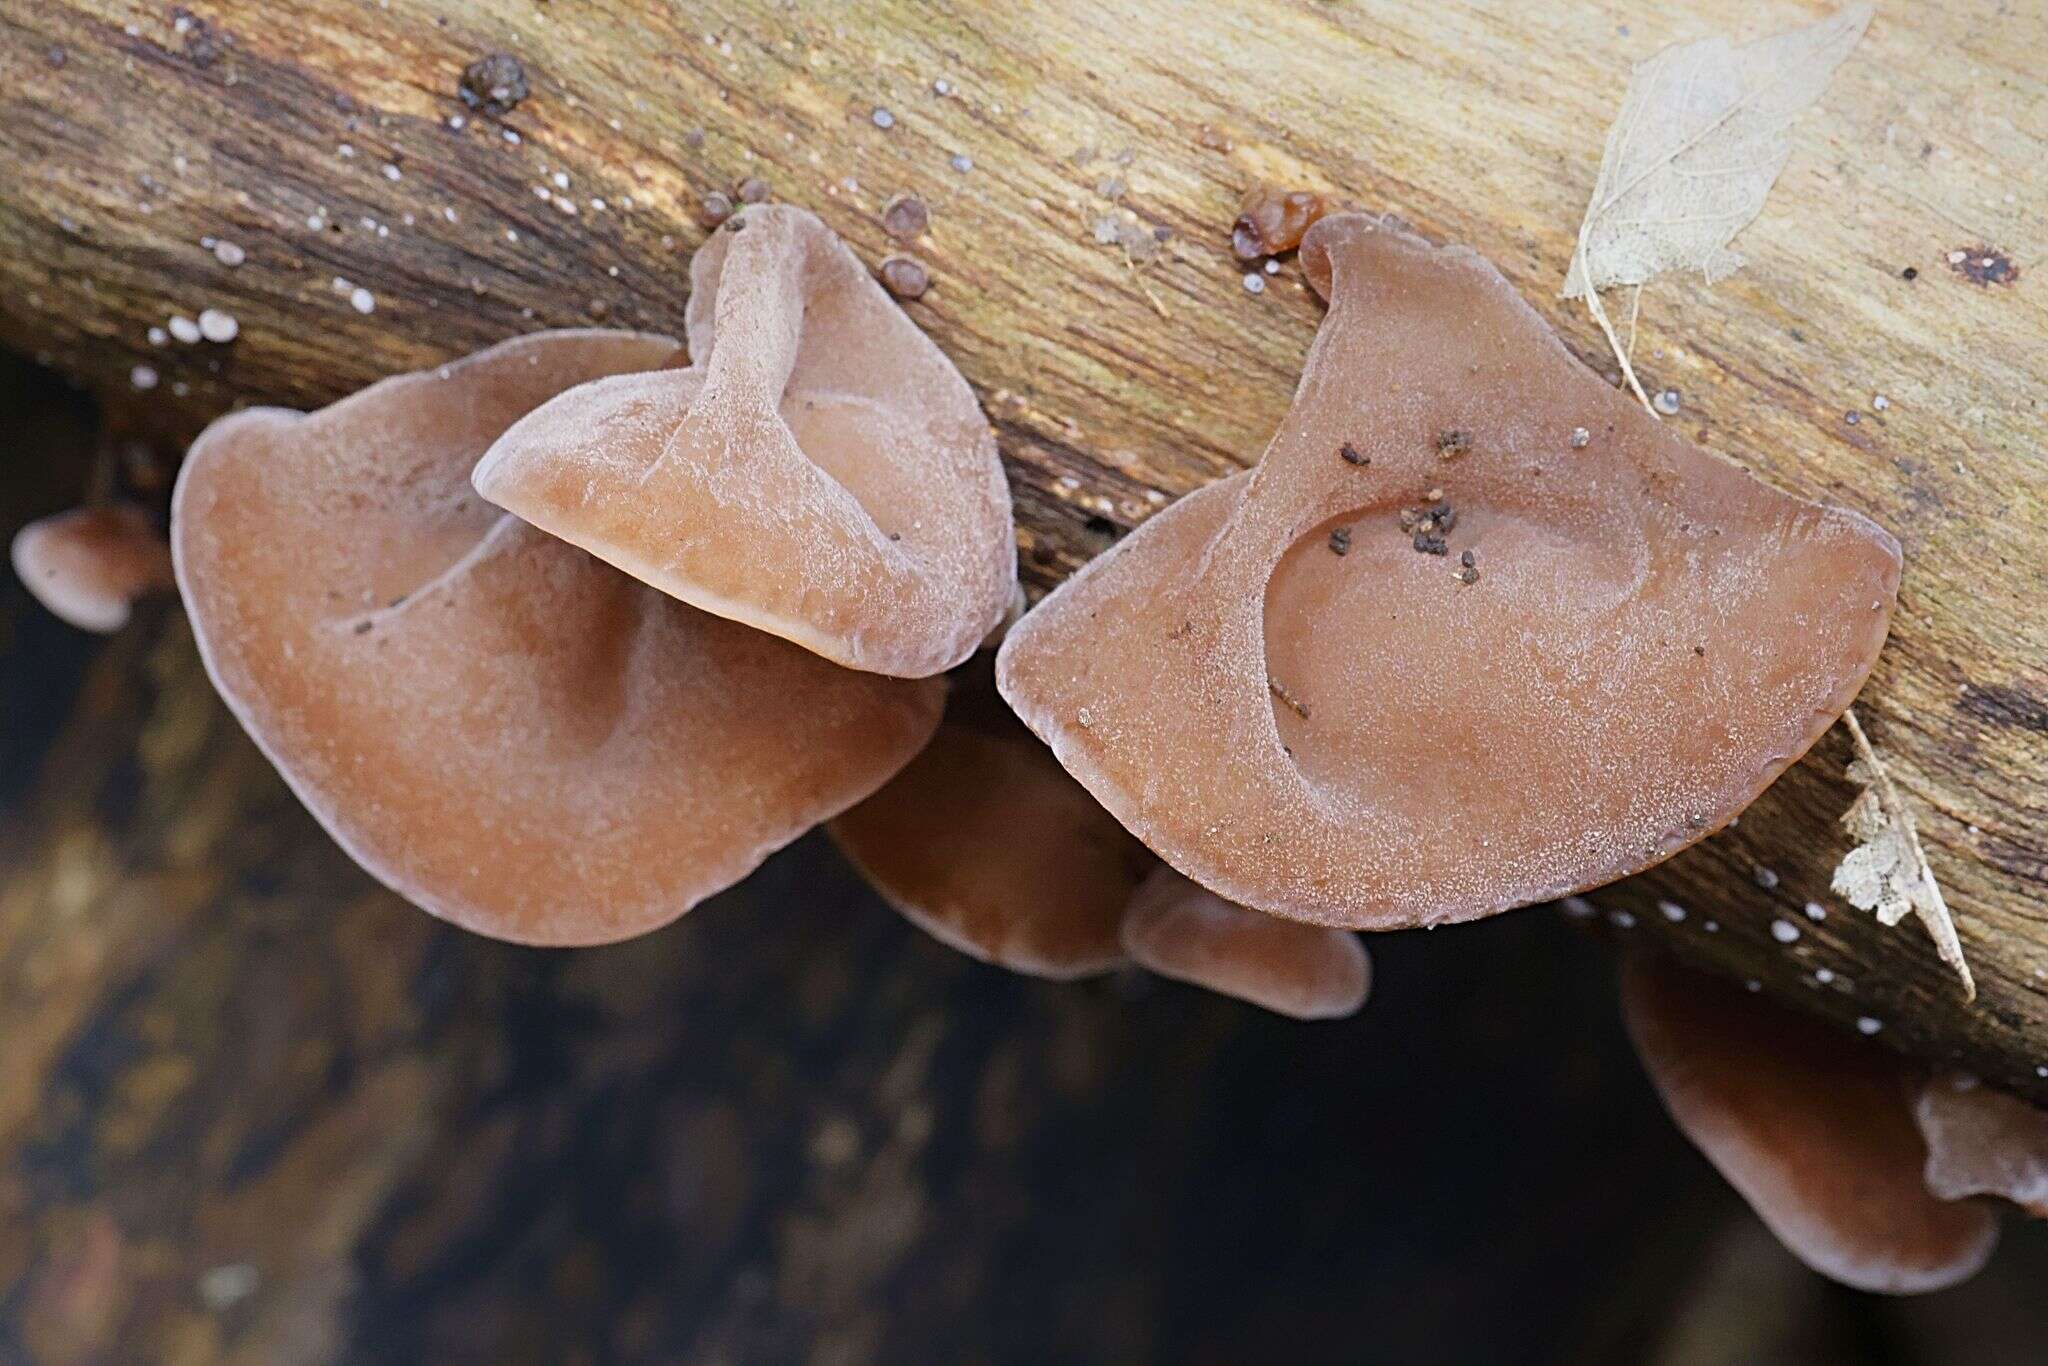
143, 377
228, 254
1869, 1024
217, 325
1622, 920
1816, 912
1823, 975
1254, 283
1673, 912
391, 172
184, 329
362, 301
1784, 931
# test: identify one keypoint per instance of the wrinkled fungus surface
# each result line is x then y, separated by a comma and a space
1981, 1141
1644, 637
1184, 931
501, 728
985, 843
1811, 1125
822, 472
91, 564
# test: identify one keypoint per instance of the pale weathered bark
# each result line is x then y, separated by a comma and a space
319, 138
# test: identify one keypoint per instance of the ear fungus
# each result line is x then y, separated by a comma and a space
1811, 1126
496, 725
1295, 688
822, 472
1181, 930
986, 844
88, 566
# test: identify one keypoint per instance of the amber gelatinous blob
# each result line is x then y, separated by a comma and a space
822, 472
1811, 1125
1182, 930
91, 564
503, 729
984, 842
1537, 664
1272, 220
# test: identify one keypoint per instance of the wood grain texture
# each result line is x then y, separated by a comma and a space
127, 135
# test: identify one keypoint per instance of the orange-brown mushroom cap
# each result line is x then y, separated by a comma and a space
822, 472
984, 842
504, 730
1281, 688
91, 564
1182, 930
1982, 1141
1811, 1126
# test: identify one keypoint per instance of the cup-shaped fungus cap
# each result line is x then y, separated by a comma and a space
1981, 1141
501, 728
89, 565
822, 472
1476, 632
1811, 1125
1182, 930
984, 842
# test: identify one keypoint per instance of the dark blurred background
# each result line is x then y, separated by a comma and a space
254, 1108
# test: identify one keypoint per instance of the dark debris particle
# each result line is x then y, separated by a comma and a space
905, 277
57, 56
1985, 266
1910, 273
1429, 543
905, 217
1453, 442
1340, 540
754, 190
494, 84
1351, 455
1287, 699
1466, 574
1468, 559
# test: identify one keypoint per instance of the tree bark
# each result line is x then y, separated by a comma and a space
382, 224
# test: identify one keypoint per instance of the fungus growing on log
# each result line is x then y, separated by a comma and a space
822, 472
1182, 930
90, 565
1378, 740
1981, 1141
496, 725
984, 842
1811, 1126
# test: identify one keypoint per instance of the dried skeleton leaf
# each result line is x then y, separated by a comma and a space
985, 843
822, 472
498, 726
1811, 1125
1887, 872
1534, 668
1182, 930
1703, 132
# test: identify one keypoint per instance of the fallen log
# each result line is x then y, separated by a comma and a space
326, 174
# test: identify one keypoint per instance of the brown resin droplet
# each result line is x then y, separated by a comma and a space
88, 566
498, 726
905, 217
1181, 930
822, 472
1568, 746
1810, 1125
1272, 220
987, 845
905, 277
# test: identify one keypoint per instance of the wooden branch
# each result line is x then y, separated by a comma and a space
320, 138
